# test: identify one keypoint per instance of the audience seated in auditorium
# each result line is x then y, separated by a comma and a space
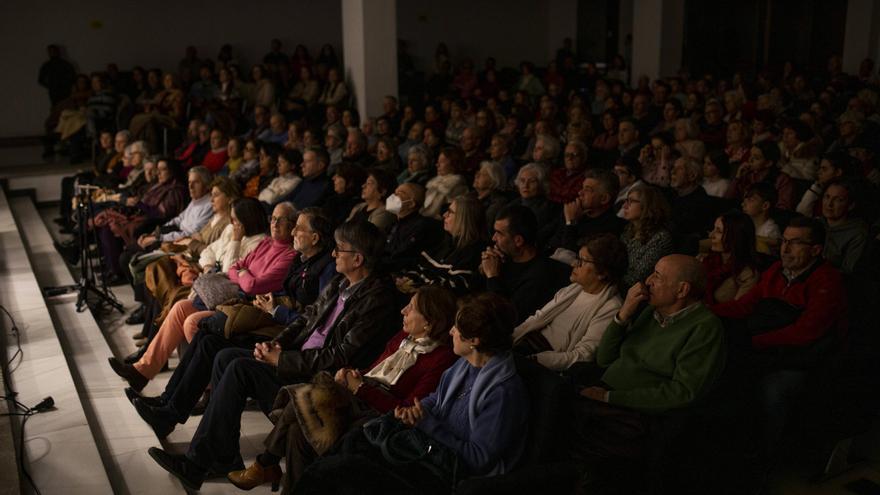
593, 210
408, 369
348, 325
261, 271
731, 264
468, 414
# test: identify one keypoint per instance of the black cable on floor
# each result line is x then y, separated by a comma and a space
21, 409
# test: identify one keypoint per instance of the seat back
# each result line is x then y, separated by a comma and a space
549, 413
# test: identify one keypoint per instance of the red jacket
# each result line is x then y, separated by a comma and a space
418, 381
820, 292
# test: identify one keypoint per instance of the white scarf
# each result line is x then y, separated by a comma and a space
392, 368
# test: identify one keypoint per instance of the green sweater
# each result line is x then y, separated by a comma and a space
654, 369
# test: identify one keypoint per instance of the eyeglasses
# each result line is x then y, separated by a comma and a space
278, 219
336, 251
579, 262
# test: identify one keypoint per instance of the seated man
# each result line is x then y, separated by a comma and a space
692, 208
348, 325
593, 211
512, 266
315, 185
413, 232
666, 357
796, 315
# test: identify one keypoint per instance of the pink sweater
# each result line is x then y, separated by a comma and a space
266, 267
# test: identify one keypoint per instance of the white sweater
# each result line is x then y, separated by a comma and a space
573, 322
227, 251
279, 187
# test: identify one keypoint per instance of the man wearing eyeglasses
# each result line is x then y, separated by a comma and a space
796, 315
347, 326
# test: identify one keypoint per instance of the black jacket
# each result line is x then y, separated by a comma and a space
359, 335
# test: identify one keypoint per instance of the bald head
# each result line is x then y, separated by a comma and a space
689, 271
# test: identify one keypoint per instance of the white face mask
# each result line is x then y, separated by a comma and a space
393, 204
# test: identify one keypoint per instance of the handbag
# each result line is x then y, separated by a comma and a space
215, 289
401, 445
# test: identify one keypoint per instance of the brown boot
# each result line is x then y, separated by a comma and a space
256, 475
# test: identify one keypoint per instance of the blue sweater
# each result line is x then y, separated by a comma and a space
480, 413
310, 192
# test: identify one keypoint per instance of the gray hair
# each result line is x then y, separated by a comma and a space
203, 174
292, 212
693, 167
495, 172
551, 145
140, 147
423, 152
540, 171
124, 133
581, 147
692, 130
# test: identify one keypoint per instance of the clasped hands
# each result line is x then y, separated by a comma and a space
267, 352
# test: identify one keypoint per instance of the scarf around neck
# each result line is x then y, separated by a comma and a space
392, 368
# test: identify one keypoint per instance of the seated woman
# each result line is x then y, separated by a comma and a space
335, 91
568, 329
408, 369
418, 164
456, 261
376, 189
249, 166
348, 181
121, 226
478, 412
234, 158
386, 158
446, 185
268, 158
489, 183
731, 266
261, 271
533, 187
286, 180
170, 280
646, 237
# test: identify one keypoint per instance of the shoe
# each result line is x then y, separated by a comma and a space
115, 280
135, 356
137, 318
256, 475
140, 342
159, 419
136, 380
182, 468
133, 394
202, 404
